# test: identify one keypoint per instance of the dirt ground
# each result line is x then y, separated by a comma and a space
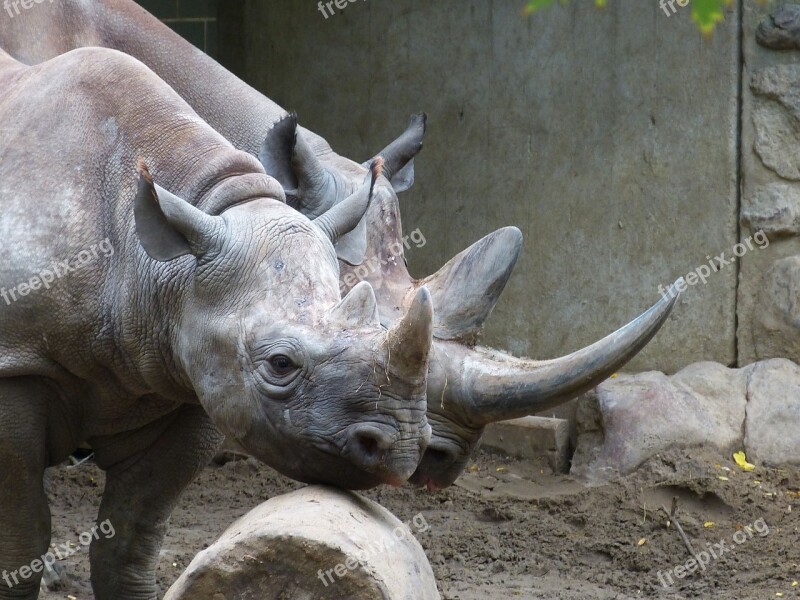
512, 529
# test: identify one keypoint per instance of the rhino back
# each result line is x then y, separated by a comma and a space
71, 131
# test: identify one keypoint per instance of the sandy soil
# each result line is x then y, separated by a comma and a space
511, 529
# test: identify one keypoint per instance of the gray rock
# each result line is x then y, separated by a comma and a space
632, 418
773, 209
781, 29
316, 543
772, 427
776, 319
776, 118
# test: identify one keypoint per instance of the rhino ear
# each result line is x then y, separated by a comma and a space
352, 247
404, 178
358, 309
399, 155
466, 289
168, 226
345, 216
277, 151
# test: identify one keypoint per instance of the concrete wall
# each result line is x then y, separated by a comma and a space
195, 20
609, 137
769, 311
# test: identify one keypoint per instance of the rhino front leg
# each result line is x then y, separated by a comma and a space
141, 491
24, 514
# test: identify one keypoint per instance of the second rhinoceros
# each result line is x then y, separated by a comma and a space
216, 307
469, 386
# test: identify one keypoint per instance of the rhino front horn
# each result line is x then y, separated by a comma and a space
345, 216
409, 341
504, 387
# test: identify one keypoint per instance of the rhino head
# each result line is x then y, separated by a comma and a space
468, 386
302, 378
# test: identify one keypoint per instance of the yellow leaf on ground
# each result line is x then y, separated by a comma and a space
642, 542
708, 524
721, 478
741, 461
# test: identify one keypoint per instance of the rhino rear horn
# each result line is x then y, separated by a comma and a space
467, 288
345, 216
358, 308
399, 155
168, 226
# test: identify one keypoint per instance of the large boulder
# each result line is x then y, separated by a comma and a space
631, 418
317, 543
772, 428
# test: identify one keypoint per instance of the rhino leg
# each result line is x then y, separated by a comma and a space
24, 513
145, 475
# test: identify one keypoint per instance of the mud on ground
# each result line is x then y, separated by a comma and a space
512, 529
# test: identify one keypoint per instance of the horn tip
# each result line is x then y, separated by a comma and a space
680, 284
423, 299
512, 235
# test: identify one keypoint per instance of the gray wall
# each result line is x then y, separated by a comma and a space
195, 20
608, 137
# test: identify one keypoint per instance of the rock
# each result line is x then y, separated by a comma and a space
632, 418
773, 209
776, 118
776, 319
317, 543
781, 29
772, 427
531, 437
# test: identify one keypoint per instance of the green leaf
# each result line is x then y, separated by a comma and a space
707, 13
534, 5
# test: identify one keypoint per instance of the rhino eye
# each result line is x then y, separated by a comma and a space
281, 364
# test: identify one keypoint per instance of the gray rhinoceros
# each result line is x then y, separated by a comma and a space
142, 318
469, 386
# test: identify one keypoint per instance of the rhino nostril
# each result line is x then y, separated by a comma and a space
439, 457
369, 445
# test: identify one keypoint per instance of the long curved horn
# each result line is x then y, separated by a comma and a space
409, 341
466, 289
504, 387
346, 215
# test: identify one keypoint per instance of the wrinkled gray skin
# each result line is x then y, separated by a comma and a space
219, 310
468, 387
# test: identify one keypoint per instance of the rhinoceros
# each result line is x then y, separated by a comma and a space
469, 386
145, 314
